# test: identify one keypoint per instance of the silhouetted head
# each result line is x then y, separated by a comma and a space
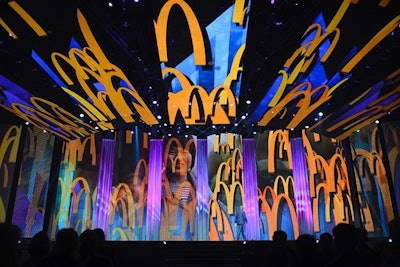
325, 240
344, 236
67, 242
306, 245
39, 245
326, 237
10, 235
101, 237
89, 243
279, 237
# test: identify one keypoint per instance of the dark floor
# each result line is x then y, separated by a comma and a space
190, 253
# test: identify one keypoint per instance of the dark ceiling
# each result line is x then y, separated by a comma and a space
356, 83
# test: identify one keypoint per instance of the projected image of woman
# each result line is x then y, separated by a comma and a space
178, 189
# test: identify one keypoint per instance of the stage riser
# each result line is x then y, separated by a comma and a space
199, 254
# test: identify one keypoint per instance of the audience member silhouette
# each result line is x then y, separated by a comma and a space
346, 246
279, 254
39, 249
367, 254
390, 253
10, 235
89, 251
344, 240
65, 251
306, 251
103, 248
325, 250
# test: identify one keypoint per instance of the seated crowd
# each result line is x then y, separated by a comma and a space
345, 246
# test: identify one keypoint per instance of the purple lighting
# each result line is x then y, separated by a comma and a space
202, 190
250, 189
153, 218
301, 187
104, 185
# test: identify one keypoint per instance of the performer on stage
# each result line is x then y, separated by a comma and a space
240, 221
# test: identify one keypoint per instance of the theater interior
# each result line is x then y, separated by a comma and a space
157, 121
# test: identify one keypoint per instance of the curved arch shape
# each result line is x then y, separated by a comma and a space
222, 225
194, 94
115, 199
275, 211
161, 25
216, 95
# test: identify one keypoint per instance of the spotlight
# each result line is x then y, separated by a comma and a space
164, 242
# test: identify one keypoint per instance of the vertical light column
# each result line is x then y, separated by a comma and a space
301, 186
202, 191
250, 189
153, 218
104, 185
